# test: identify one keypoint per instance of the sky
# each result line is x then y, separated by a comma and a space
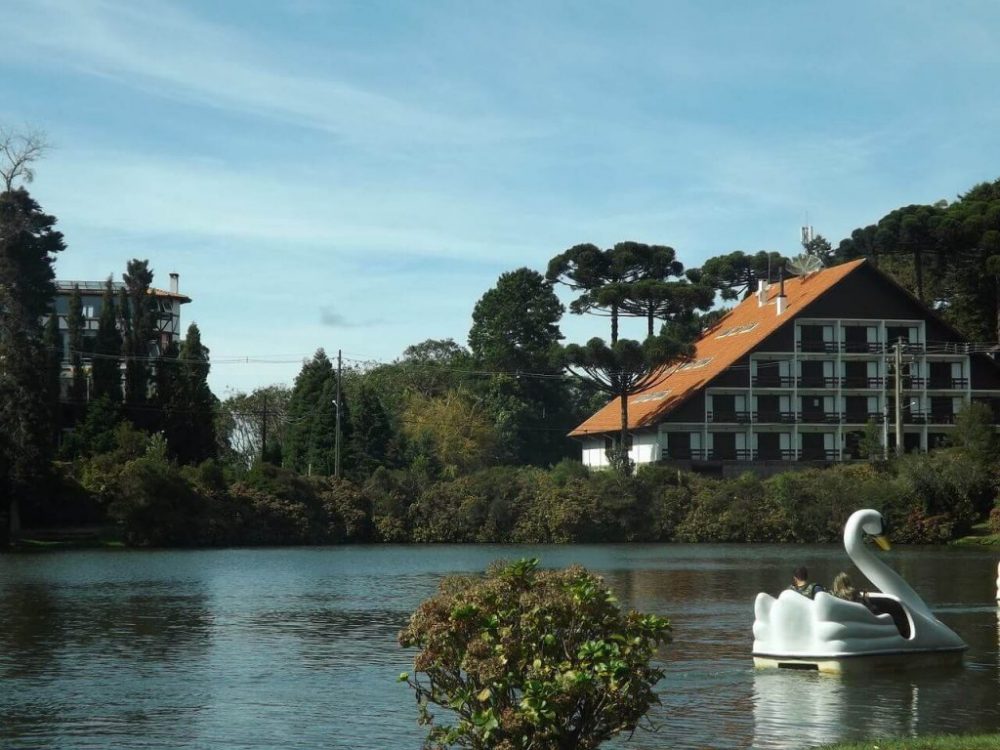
356, 175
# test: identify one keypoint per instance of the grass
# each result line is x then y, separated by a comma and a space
980, 537
942, 742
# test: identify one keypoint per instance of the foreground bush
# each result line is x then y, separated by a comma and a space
531, 659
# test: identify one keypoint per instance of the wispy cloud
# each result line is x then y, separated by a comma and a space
328, 316
165, 51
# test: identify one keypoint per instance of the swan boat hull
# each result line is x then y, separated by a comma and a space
893, 628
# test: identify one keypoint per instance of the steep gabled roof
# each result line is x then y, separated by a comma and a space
746, 326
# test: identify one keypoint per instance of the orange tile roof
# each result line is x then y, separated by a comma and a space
715, 351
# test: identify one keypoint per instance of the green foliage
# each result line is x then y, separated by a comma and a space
138, 318
452, 431
28, 245
188, 403
516, 324
74, 332
154, 505
531, 659
736, 274
106, 367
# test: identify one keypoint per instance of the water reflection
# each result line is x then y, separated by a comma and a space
236, 649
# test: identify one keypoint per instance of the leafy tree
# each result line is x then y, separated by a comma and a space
97, 432
137, 312
246, 420
623, 369
736, 275
452, 431
516, 323
820, 247
28, 245
515, 332
531, 660
974, 432
74, 332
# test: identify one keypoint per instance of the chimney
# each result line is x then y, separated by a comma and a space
781, 300
761, 292
175, 283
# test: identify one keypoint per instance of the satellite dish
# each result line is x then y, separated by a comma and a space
804, 265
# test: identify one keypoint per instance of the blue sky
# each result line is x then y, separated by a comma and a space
355, 175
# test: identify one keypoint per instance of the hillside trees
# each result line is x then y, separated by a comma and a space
310, 438
28, 246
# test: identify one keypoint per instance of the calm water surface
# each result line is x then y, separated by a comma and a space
295, 648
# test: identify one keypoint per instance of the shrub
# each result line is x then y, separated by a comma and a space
531, 659
348, 516
155, 505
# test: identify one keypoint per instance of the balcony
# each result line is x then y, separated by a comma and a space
817, 381
819, 417
772, 381
863, 417
716, 454
947, 384
861, 347
940, 418
817, 346
729, 417
861, 383
774, 417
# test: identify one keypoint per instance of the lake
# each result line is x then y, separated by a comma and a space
296, 648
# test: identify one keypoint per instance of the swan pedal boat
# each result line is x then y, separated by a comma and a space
835, 635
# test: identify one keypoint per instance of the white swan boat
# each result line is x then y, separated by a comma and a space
834, 635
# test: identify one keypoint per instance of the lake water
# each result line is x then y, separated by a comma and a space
296, 648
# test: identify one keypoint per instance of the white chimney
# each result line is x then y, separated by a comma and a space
779, 303
175, 283
761, 292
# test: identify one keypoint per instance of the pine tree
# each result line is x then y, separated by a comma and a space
28, 244
305, 408
138, 278
106, 367
192, 406
370, 431
53, 373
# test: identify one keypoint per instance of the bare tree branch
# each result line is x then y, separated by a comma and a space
18, 151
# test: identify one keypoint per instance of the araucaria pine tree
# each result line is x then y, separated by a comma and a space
74, 332
138, 331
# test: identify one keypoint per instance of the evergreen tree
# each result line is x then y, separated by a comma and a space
28, 244
312, 386
192, 405
736, 274
139, 332
74, 332
106, 367
53, 373
371, 433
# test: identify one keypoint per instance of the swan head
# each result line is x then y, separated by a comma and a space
873, 524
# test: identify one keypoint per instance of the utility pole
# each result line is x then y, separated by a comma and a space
899, 397
336, 444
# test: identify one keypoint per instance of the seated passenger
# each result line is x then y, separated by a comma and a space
843, 588
800, 583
